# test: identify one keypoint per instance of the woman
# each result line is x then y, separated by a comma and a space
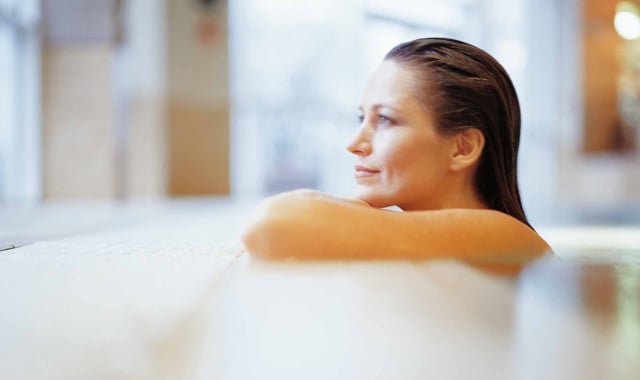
438, 137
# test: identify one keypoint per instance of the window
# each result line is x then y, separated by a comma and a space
19, 107
390, 23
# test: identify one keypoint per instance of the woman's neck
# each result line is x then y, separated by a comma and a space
460, 195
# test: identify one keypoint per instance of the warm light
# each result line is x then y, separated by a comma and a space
627, 21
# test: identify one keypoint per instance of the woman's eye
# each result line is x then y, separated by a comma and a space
383, 119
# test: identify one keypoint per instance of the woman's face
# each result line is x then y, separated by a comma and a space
402, 159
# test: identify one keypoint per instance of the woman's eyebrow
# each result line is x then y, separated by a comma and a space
377, 106
383, 105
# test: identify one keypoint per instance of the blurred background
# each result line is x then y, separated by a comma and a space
136, 99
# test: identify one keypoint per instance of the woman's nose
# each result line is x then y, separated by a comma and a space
360, 145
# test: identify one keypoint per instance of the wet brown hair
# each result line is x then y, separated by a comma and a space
465, 87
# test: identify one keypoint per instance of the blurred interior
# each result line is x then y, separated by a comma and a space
137, 100
134, 135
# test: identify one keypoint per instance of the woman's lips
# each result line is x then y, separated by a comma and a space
363, 171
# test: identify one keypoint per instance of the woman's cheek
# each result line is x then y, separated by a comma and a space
384, 146
390, 151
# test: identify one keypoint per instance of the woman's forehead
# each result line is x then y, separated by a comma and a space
392, 85
391, 76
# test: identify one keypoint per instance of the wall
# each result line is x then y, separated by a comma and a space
589, 178
77, 108
142, 76
601, 67
135, 99
198, 100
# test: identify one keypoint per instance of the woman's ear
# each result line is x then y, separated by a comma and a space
467, 149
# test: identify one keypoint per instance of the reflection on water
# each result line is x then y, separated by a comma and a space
627, 324
579, 318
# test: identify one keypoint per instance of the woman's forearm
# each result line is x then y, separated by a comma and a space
310, 225
301, 224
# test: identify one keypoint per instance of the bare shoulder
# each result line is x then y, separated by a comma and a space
471, 234
310, 225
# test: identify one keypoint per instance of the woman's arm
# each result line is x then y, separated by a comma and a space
306, 224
